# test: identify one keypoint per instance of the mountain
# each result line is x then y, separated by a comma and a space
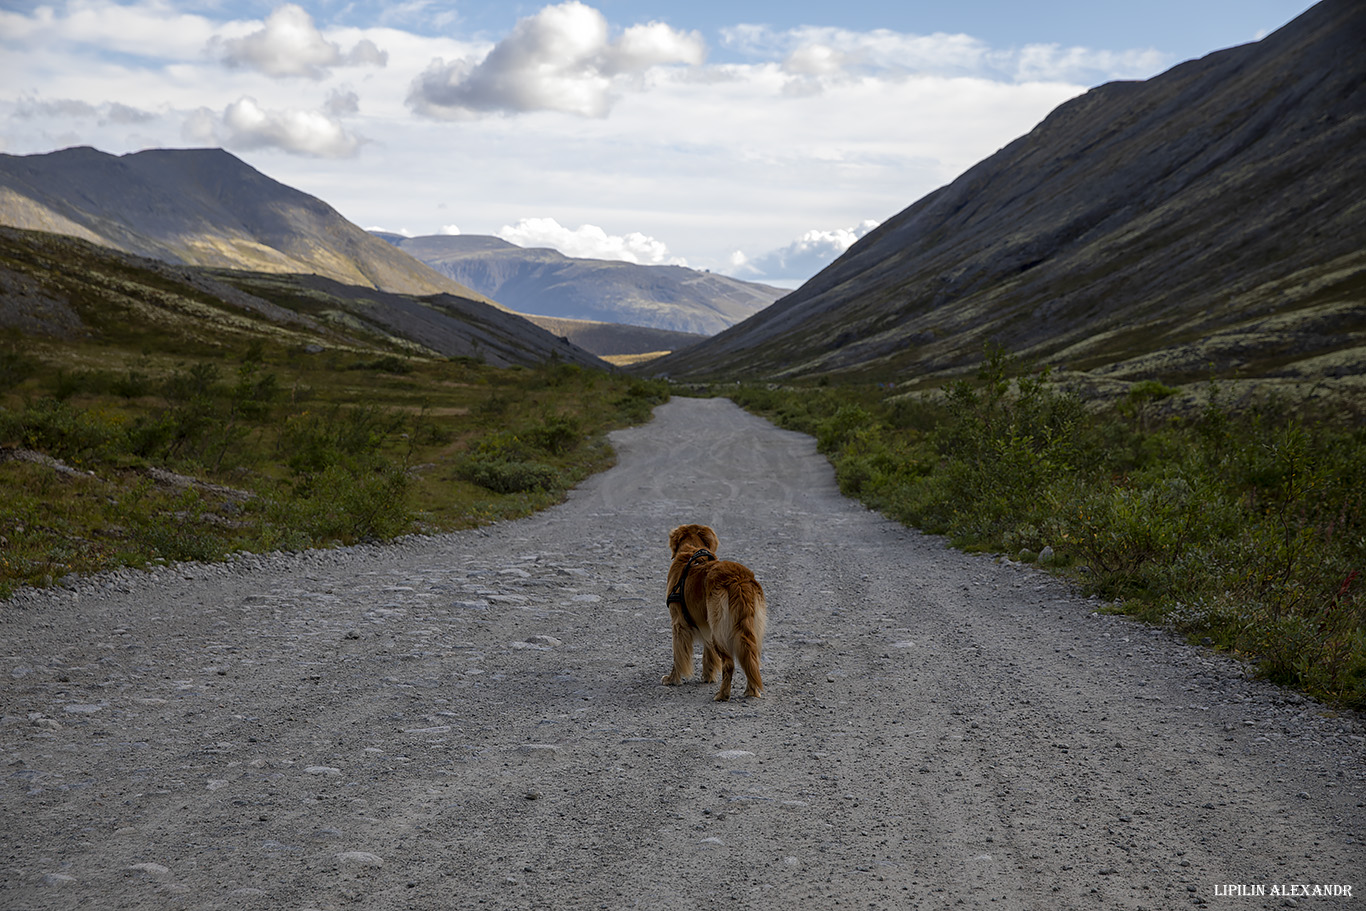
202, 207
616, 343
548, 283
60, 286
1208, 220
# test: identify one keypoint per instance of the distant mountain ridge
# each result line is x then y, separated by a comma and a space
62, 286
547, 283
202, 207
1210, 219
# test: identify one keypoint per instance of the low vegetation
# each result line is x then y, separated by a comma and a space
113, 457
1243, 528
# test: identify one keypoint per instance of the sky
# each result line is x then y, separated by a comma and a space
754, 138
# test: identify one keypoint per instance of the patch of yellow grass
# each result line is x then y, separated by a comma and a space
630, 360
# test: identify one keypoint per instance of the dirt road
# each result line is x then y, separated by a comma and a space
476, 721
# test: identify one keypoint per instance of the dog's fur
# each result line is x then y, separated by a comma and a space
727, 604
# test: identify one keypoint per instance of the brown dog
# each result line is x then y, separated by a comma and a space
723, 603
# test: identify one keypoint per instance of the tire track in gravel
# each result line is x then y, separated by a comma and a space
475, 721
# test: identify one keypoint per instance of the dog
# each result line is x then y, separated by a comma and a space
720, 601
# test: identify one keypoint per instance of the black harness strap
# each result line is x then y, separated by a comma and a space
701, 555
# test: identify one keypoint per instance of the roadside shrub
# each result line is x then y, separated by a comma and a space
61, 430
345, 504
834, 431
509, 476
504, 462
310, 442
556, 434
641, 397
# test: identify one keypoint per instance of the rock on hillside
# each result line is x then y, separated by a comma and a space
202, 207
1210, 218
548, 283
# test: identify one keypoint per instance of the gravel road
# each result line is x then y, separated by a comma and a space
475, 720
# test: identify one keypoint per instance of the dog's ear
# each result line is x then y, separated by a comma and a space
710, 541
674, 537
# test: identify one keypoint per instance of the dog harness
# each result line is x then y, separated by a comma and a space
701, 555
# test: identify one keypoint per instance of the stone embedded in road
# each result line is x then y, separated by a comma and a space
359, 859
538, 643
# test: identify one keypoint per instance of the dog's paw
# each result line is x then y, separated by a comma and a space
754, 694
670, 680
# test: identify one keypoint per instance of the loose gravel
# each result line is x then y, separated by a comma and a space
475, 720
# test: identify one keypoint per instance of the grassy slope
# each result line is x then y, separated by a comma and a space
1245, 529
296, 433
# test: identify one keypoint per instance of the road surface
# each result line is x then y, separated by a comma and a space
475, 720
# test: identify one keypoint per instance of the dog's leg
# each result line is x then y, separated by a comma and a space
711, 662
683, 645
727, 672
748, 654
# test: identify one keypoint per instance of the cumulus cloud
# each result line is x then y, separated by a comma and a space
802, 258
588, 242
449, 230
244, 124
561, 59
291, 45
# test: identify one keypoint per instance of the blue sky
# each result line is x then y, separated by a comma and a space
758, 139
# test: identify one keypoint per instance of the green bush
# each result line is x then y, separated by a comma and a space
342, 503
63, 431
503, 476
15, 368
556, 434
385, 364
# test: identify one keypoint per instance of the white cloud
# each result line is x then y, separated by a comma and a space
244, 124
832, 53
643, 46
561, 59
150, 28
802, 258
290, 45
75, 109
449, 230
342, 103
588, 242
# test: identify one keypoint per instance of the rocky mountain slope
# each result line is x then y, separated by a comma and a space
63, 287
1209, 220
616, 341
548, 283
202, 207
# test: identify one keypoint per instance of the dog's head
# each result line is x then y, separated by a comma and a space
691, 537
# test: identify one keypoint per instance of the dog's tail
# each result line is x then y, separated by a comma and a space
740, 617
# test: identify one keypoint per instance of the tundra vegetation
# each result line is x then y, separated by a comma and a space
1241, 527
129, 457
